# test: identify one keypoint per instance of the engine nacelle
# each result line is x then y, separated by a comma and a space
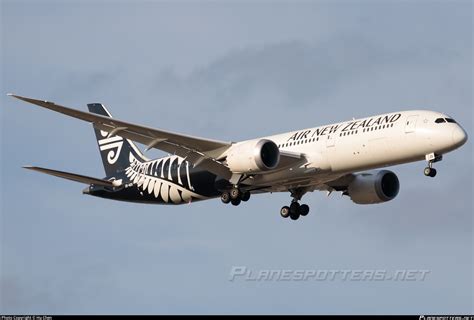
369, 188
253, 156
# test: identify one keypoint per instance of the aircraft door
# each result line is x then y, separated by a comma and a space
410, 125
331, 140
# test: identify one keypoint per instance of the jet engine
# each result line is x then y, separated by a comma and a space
253, 156
377, 187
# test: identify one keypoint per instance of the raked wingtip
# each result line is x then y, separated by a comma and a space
13, 95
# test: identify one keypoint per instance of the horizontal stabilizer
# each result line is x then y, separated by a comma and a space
74, 177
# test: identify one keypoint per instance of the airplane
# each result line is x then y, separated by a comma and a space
337, 157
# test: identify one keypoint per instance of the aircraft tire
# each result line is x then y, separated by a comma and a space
225, 197
235, 202
285, 212
304, 210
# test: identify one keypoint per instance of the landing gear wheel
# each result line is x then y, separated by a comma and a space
295, 208
225, 197
285, 212
427, 171
245, 196
235, 202
294, 216
430, 172
304, 210
235, 193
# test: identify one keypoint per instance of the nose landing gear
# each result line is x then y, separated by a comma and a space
430, 172
432, 158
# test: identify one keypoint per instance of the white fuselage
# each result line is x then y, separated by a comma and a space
363, 144
321, 158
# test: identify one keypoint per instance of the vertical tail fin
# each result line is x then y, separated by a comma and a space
117, 153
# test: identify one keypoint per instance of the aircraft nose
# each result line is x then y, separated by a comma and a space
459, 136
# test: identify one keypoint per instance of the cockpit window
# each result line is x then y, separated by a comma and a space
450, 120
440, 120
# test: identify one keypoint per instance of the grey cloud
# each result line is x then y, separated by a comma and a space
297, 72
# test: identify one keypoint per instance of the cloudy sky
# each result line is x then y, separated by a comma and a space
230, 71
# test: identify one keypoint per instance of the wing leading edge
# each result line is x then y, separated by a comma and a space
198, 151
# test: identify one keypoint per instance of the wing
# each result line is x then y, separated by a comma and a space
206, 153
198, 151
74, 177
340, 183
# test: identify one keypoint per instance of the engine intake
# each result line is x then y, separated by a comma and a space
253, 156
368, 188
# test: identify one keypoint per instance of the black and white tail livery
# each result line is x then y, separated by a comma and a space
117, 153
332, 158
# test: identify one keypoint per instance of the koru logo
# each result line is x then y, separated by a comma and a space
114, 144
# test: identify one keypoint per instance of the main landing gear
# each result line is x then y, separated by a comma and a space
429, 170
295, 210
235, 196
